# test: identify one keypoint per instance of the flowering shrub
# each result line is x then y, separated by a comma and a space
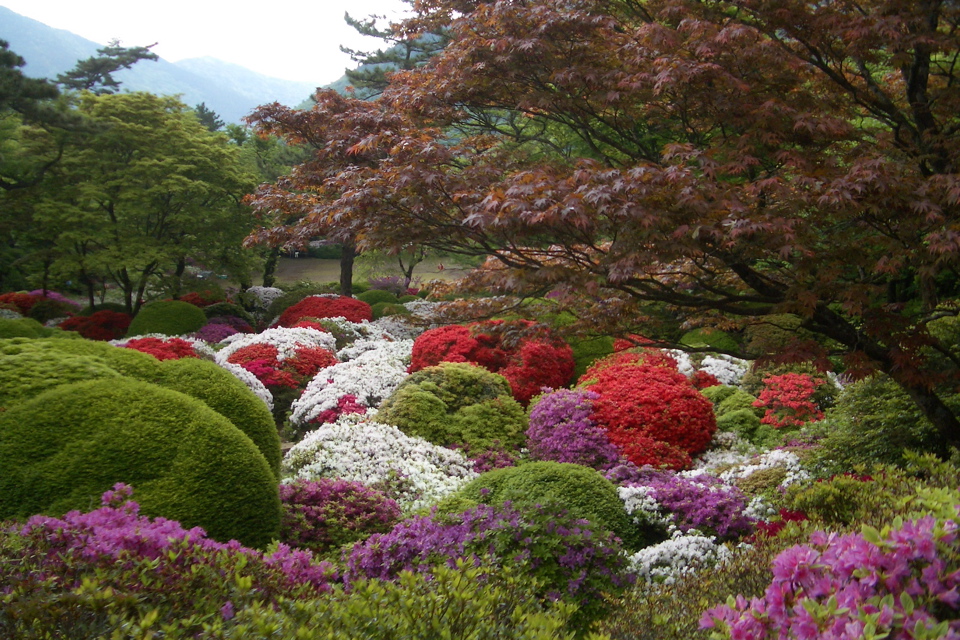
572, 559
327, 513
53, 295
236, 323
417, 472
22, 301
214, 332
562, 429
788, 400
100, 325
898, 583
162, 349
154, 563
202, 298
682, 555
529, 356
650, 410
263, 297
253, 383
326, 307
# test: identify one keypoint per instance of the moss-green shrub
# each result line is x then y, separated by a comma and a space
586, 351
374, 296
743, 422
229, 397
228, 309
65, 447
128, 362
712, 338
875, 421
169, 317
30, 373
583, 491
456, 403
718, 393
22, 328
763, 481
49, 308
407, 298
103, 306
739, 400
382, 309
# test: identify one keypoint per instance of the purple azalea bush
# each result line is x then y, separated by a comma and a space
214, 332
899, 584
325, 514
562, 430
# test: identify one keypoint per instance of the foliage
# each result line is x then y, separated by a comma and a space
22, 328
456, 403
202, 299
27, 374
529, 355
327, 513
382, 309
96, 73
832, 587
562, 429
221, 309
373, 296
169, 317
650, 411
105, 324
72, 577
67, 445
569, 559
352, 309
580, 490
22, 301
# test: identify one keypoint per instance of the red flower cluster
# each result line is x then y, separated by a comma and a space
102, 325
320, 307
22, 301
630, 341
346, 404
262, 360
703, 379
170, 349
649, 409
788, 399
530, 357
201, 299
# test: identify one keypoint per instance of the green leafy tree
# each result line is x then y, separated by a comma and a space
96, 72
208, 117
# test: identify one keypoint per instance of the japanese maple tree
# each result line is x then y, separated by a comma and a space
728, 161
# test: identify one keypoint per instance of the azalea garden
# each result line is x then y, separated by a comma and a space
699, 378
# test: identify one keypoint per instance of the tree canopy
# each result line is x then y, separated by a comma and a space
724, 162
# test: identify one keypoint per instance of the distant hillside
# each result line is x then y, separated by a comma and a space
230, 90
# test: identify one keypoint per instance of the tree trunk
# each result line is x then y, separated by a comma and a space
933, 407
346, 268
178, 277
270, 267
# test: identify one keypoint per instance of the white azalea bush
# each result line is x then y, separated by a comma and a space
286, 341
681, 555
415, 473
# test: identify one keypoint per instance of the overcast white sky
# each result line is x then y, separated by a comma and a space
290, 39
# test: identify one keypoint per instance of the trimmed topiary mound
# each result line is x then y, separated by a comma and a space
128, 362
22, 328
582, 491
169, 317
374, 296
456, 403
382, 309
28, 374
61, 450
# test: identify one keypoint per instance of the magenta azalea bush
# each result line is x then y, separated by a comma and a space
325, 514
899, 584
562, 429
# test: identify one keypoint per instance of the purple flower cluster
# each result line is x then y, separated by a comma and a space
114, 540
562, 430
703, 502
328, 513
236, 322
53, 295
570, 557
841, 587
214, 332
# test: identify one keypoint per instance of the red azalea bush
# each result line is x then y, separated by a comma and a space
649, 409
263, 360
101, 325
169, 349
703, 379
22, 301
789, 400
201, 299
528, 355
326, 307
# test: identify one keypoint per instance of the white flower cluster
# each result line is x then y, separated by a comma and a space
285, 340
727, 369
684, 363
760, 509
201, 348
423, 309
774, 458
680, 555
264, 295
639, 499
253, 383
371, 375
399, 327
10, 314
370, 452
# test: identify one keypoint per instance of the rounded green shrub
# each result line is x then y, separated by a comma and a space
31, 372
374, 296
407, 298
22, 328
583, 491
49, 308
103, 306
382, 309
65, 447
718, 393
456, 403
128, 362
739, 400
743, 422
224, 393
169, 317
